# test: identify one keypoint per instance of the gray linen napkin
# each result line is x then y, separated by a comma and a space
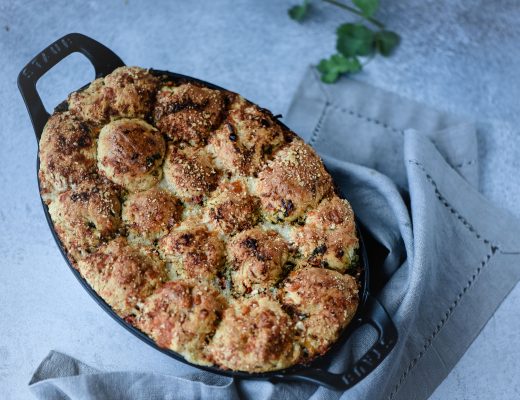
410, 173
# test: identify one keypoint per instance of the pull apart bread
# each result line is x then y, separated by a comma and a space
201, 220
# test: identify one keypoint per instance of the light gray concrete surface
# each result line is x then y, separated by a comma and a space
461, 56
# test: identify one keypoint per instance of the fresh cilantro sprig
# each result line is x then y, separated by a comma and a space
336, 65
299, 12
353, 40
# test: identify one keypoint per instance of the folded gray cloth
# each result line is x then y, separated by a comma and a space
411, 175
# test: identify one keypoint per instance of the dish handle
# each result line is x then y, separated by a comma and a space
378, 317
102, 58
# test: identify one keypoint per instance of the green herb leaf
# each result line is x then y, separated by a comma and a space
298, 13
354, 40
367, 7
336, 65
386, 42
330, 76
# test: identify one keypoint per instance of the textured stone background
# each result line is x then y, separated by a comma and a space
461, 56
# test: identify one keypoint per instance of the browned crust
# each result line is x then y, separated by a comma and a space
293, 182
325, 301
151, 214
67, 153
130, 153
233, 209
190, 173
257, 258
182, 316
86, 216
123, 275
188, 113
127, 92
328, 238
130, 91
255, 335
91, 104
194, 251
247, 139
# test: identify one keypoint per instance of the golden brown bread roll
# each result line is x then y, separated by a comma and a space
328, 238
130, 91
151, 214
130, 153
193, 251
257, 258
190, 173
325, 301
123, 275
182, 316
91, 104
188, 113
247, 139
293, 182
126, 92
232, 208
86, 216
255, 335
67, 153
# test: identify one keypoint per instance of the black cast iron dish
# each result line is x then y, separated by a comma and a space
370, 311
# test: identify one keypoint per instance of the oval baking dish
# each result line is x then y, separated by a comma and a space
370, 311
